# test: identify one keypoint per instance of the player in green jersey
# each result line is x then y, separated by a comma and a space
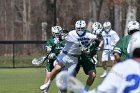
87, 59
121, 49
53, 47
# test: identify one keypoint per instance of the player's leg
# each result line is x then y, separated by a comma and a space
104, 60
90, 70
69, 63
57, 67
49, 67
104, 68
77, 67
91, 78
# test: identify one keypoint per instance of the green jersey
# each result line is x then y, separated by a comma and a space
86, 59
121, 47
56, 48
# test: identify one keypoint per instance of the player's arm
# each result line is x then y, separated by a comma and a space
117, 51
116, 37
100, 45
48, 46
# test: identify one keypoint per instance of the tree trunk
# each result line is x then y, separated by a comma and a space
131, 13
117, 21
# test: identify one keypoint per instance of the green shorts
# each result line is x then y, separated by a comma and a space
49, 65
86, 63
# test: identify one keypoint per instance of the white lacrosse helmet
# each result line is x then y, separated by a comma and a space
80, 27
133, 26
56, 31
97, 28
134, 42
107, 26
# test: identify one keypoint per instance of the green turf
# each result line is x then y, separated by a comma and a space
28, 80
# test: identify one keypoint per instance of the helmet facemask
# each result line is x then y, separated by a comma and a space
80, 27
80, 31
107, 27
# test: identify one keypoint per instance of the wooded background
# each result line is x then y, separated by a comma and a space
23, 19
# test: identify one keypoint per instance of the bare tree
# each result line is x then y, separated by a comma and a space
118, 16
131, 12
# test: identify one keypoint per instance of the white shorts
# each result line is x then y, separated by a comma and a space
68, 61
106, 56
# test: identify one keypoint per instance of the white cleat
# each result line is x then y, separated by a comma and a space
104, 74
46, 85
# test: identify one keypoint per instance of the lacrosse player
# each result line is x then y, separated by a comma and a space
121, 48
53, 46
124, 77
88, 58
110, 38
76, 41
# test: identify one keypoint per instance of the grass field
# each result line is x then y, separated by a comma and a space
28, 80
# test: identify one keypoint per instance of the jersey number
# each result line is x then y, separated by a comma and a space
135, 80
107, 41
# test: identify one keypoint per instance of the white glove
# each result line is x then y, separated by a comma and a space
112, 47
95, 59
48, 49
51, 56
56, 40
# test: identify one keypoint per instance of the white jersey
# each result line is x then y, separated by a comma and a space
123, 78
73, 42
110, 39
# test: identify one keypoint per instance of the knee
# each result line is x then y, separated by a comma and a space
57, 67
92, 74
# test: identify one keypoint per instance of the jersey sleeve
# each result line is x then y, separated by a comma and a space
118, 46
70, 37
116, 39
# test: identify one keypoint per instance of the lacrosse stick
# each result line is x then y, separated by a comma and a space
75, 85
38, 61
41, 60
61, 80
85, 47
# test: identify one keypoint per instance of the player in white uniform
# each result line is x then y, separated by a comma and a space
110, 38
124, 77
76, 41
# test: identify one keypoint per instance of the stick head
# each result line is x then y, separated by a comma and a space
38, 61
